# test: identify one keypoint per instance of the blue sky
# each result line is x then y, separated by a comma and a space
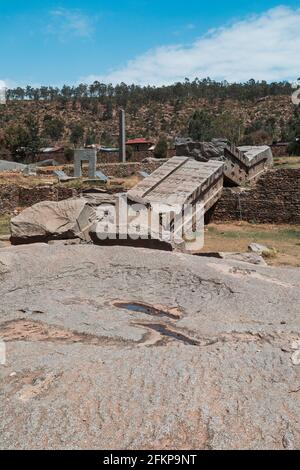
147, 41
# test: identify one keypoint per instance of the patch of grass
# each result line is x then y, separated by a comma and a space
4, 224
283, 241
269, 254
275, 234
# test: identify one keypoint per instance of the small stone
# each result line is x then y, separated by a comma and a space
296, 345
262, 250
296, 358
13, 374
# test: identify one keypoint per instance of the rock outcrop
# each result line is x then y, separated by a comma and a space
47, 220
122, 348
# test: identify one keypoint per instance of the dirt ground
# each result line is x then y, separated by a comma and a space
286, 162
80, 183
236, 237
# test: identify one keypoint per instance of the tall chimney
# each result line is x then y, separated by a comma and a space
122, 144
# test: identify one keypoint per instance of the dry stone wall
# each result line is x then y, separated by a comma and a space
274, 199
13, 197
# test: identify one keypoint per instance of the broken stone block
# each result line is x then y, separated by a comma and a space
70, 218
260, 249
241, 164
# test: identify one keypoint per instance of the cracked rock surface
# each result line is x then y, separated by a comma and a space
124, 348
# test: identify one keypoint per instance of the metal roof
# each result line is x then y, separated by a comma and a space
140, 140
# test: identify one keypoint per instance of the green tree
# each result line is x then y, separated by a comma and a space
90, 138
229, 126
16, 139
34, 136
200, 126
23, 140
161, 148
77, 134
53, 128
293, 127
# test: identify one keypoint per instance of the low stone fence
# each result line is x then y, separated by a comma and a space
115, 170
13, 197
274, 199
113, 157
124, 170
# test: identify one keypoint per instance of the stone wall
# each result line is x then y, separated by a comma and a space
123, 170
13, 197
280, 150
30, 196
9, 198
113, 157
115, 170
274, 199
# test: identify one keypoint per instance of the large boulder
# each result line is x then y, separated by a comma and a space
124, 348
71, 218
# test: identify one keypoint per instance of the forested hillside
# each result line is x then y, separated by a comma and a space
250, 113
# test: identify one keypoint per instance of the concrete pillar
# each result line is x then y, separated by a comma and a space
122, 143
77, 164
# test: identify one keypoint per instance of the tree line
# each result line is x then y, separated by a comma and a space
122, 94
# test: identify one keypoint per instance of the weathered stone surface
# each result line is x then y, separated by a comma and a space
201, 360
70, 218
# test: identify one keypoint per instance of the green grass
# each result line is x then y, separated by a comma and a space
281, 234
4, 224
282, 241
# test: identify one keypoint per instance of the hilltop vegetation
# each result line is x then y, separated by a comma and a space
253, 112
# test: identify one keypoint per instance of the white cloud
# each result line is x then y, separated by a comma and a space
263, 47
65, 23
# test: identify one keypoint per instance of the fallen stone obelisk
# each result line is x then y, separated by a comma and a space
181, 183
181, 180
